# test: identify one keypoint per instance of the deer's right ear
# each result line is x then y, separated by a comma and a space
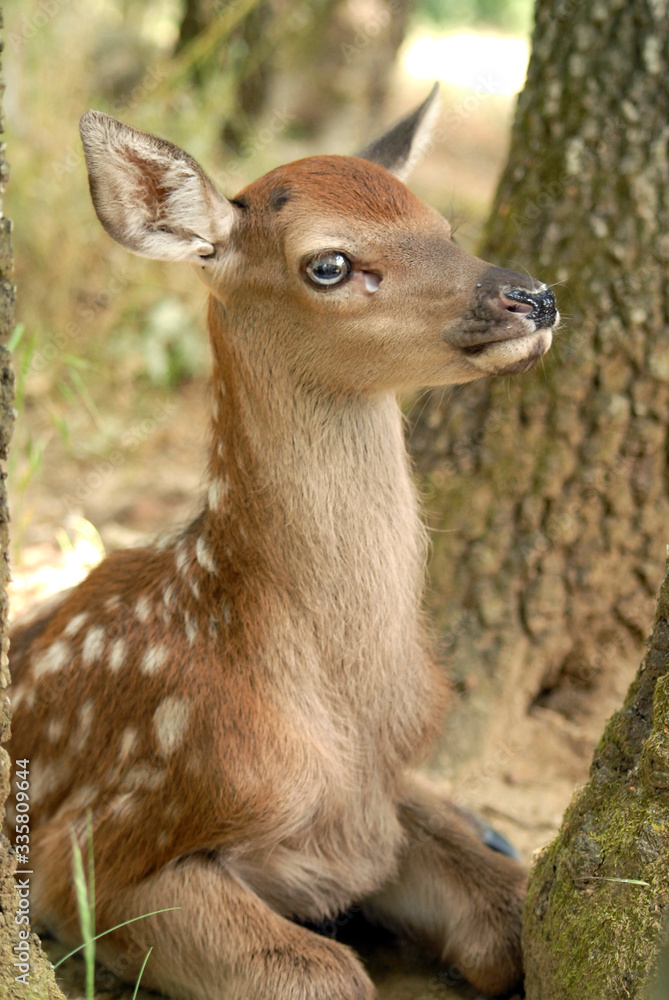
150, 196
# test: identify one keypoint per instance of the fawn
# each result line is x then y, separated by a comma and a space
241, 704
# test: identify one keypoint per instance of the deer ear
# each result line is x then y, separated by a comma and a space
150, 196
402, 146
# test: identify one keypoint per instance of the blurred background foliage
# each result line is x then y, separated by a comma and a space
243, 85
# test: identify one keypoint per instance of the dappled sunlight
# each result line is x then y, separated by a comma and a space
493, 63
45, 569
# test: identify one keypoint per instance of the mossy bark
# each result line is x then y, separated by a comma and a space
41, 985
550, 491
590, 932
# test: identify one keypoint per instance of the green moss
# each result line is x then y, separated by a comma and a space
589, 933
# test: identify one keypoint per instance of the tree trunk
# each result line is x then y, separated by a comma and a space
244, 55
551, 489
346, 56
590, 932
660, 989
333, 52
14, 934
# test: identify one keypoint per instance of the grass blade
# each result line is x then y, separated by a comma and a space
116, 927
141, 973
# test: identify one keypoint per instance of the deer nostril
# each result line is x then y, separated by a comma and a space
516, 307
538, 305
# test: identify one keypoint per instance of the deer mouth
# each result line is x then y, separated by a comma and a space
512, 354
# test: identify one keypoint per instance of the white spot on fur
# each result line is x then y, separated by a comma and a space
191, 628
225, 612
94, 645
165, 541
83, 730
54, 730
79, 829
45, 779
129, 740
142, 609
153, 659
170, 722
174, 810
117, 654
112, 603
51, 659
218, 488
204, 556
83, 797
17, 695
215, 408
168, 595
194, 588
75, 624
143, 776
122, 806
181, 557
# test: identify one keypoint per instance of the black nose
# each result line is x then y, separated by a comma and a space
544, 310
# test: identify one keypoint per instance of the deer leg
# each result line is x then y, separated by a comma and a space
224, 943
452, 894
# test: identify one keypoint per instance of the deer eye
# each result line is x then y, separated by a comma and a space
327, 269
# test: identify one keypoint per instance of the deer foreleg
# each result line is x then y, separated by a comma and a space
224, 943
454, 895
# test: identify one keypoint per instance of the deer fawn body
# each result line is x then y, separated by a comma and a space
240, 705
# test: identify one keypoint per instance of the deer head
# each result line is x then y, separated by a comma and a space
330, 264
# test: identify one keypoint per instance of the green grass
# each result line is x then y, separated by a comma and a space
84, 889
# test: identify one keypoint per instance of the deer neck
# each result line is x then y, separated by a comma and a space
313, 488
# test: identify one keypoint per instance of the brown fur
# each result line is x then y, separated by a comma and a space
243, 703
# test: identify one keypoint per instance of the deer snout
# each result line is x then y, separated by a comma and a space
538, 305
511, 325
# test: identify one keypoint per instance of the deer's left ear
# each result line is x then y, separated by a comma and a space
402, 146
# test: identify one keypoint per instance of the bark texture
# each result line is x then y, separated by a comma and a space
588, 933
41, 978
551, 490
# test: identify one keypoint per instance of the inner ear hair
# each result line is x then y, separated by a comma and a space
150, 195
